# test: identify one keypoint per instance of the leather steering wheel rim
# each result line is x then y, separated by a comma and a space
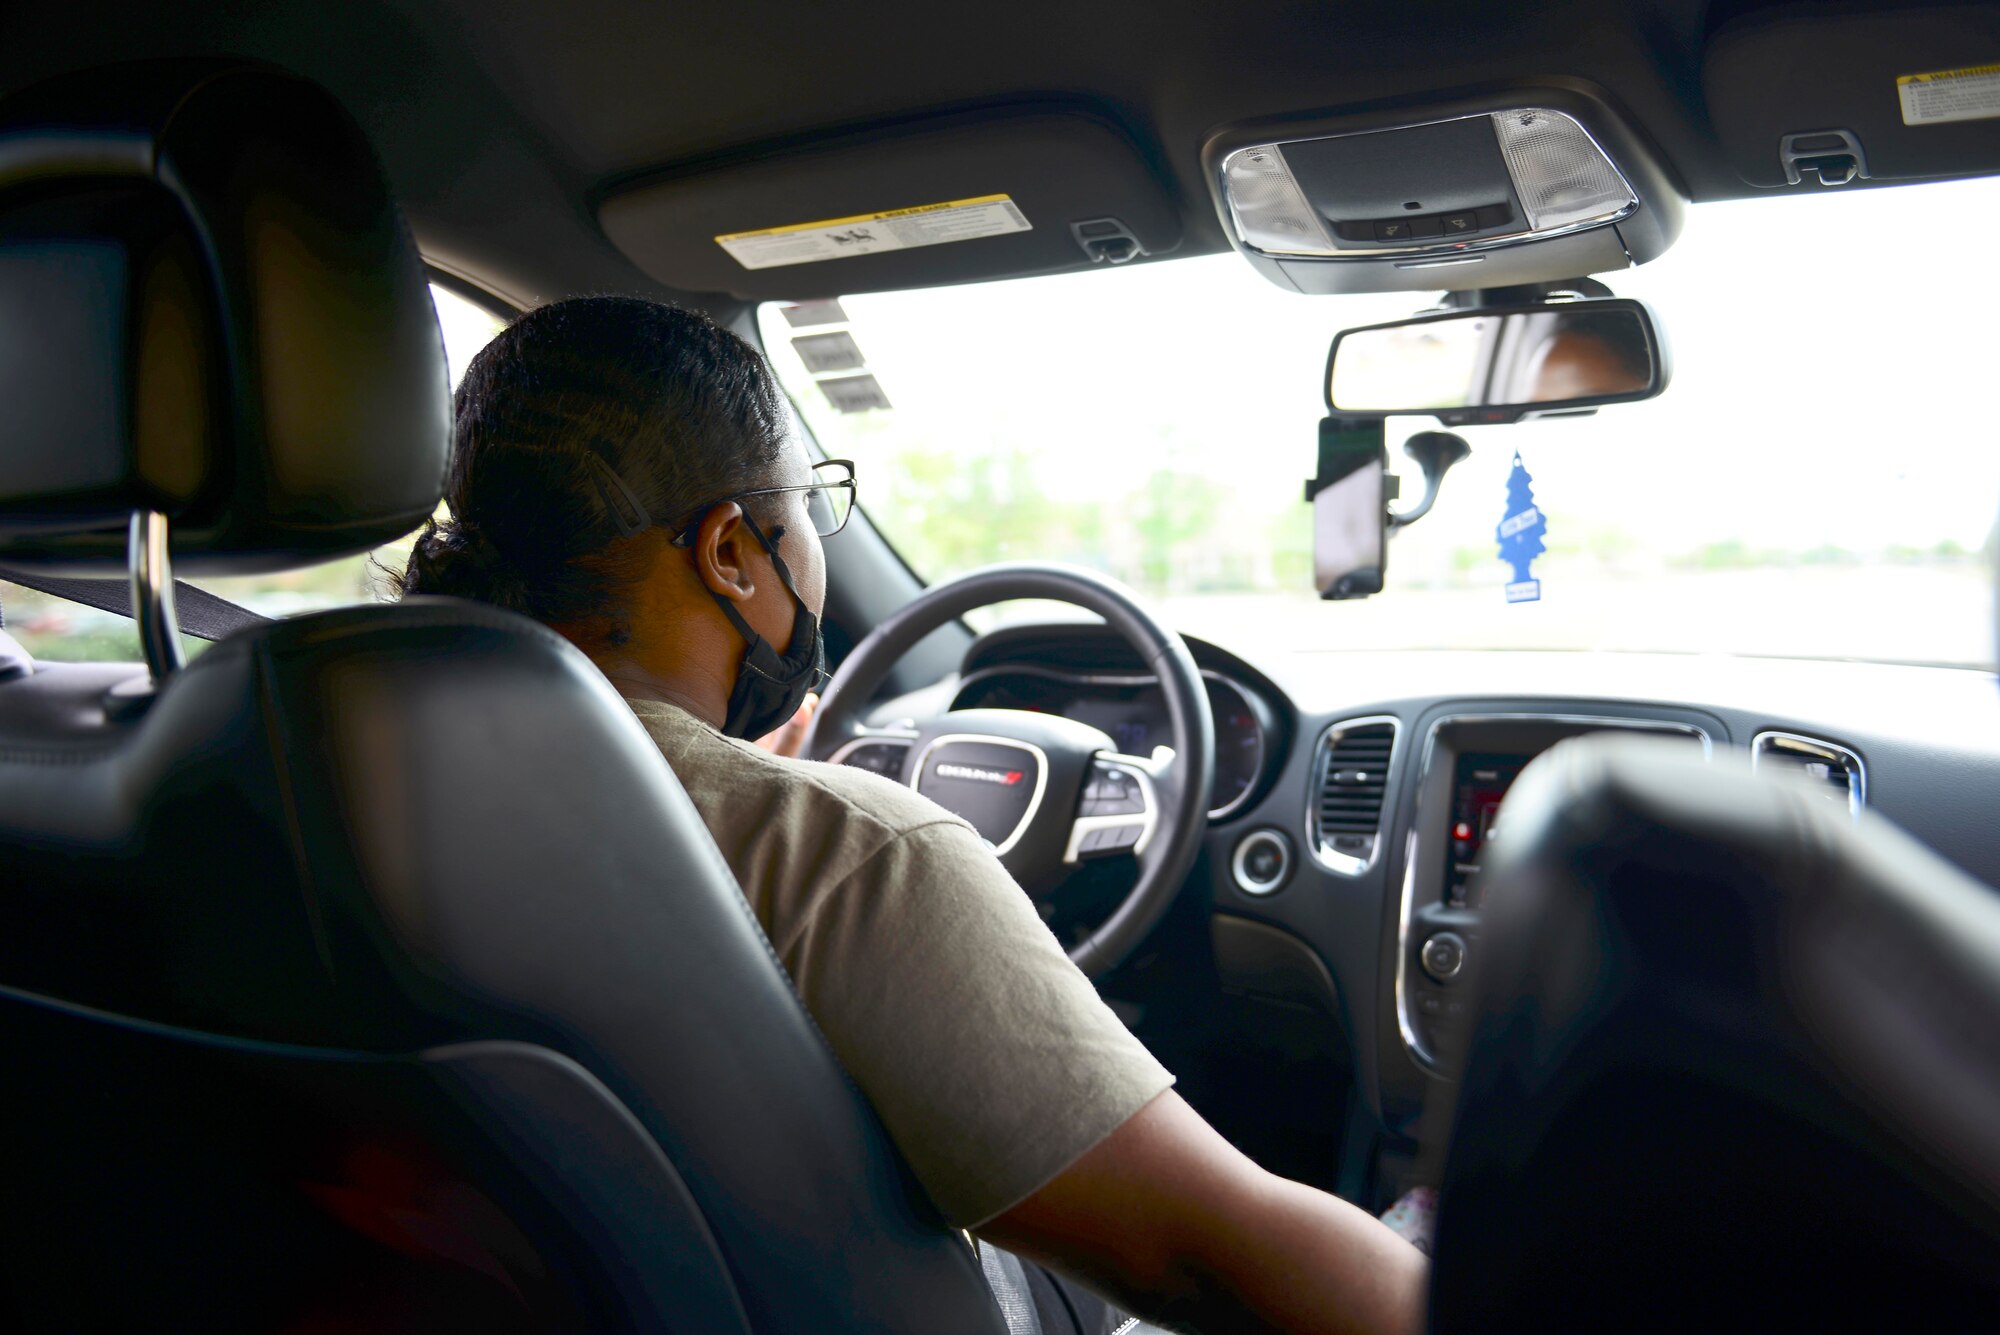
1183, 813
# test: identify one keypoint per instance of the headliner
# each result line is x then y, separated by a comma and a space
503, 121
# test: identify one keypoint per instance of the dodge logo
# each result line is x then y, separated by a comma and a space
1005, 777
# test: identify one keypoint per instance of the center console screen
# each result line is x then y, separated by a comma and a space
1478, 784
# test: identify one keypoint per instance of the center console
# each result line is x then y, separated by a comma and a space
1468, 764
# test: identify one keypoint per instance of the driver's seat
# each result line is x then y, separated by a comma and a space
374, 972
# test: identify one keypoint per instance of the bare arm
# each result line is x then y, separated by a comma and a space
1172, 1222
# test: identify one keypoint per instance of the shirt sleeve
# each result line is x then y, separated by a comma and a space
988, 1055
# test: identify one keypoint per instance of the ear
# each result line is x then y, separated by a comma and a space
723, 549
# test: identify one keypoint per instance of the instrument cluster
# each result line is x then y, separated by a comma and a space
1130, 708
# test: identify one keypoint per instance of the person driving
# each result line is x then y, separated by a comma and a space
628, 473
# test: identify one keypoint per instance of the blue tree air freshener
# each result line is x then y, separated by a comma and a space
1520, 535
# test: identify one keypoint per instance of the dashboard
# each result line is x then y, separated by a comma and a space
1359, 792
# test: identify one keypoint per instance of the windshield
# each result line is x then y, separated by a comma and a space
1819, 480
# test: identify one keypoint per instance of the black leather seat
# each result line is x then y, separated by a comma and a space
1736, 1064
377, 974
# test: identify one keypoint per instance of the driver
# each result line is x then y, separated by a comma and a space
626, 473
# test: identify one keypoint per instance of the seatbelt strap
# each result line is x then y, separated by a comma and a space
200, 613
1008, 1280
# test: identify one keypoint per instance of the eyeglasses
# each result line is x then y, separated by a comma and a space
829, 500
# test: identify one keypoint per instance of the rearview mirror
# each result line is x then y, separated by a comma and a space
1498, 364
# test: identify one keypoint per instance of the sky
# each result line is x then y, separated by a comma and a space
467, 328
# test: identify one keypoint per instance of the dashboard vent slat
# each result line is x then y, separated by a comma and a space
1834, 770
1352, 785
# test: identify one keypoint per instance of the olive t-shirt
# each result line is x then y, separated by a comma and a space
988, 1056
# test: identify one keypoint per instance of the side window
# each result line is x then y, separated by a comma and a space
57, 630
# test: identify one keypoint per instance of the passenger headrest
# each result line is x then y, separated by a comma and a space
1733, 1065
210, 307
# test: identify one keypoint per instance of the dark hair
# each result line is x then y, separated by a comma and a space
571, 417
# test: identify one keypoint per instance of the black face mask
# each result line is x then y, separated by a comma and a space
770, 688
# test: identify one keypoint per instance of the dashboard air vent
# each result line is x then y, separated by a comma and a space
1353, 781
1834, 770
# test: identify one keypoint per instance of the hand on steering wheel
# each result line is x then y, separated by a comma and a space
1046, 792
790, 737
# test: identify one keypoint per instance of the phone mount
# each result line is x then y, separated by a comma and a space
1346, 445
1350, 497
1434, 452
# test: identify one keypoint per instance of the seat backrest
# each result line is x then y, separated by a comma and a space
1735, 1063
379, 959
160, 1178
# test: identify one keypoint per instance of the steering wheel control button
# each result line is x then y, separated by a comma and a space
884, 758
1110, 839
1443, 956
1263, 862
1110, 791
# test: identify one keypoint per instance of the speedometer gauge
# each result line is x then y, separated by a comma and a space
1239, 744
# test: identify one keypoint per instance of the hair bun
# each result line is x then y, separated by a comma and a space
458, 560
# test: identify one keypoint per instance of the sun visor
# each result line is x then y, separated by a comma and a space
1532, 185
952, 200
1894, 96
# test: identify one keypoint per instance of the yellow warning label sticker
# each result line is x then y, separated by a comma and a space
871, 233
1968, 94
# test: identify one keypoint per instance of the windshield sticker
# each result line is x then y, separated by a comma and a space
804, 314
868, 233
853, 393
829, 352
1520, 534
1969, 94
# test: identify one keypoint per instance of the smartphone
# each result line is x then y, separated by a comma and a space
1350, 514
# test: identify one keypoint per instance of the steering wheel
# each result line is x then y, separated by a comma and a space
1046, 792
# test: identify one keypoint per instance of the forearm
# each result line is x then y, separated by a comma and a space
1300, 1260
1171, 1222
1289, 1259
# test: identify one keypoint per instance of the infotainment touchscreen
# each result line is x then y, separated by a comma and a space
1478, 784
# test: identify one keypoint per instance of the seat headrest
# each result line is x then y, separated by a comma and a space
1733, 1065
210, 306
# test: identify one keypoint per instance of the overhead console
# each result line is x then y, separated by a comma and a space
1536, 185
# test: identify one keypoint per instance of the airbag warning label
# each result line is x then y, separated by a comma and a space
869, 233
1969, 94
